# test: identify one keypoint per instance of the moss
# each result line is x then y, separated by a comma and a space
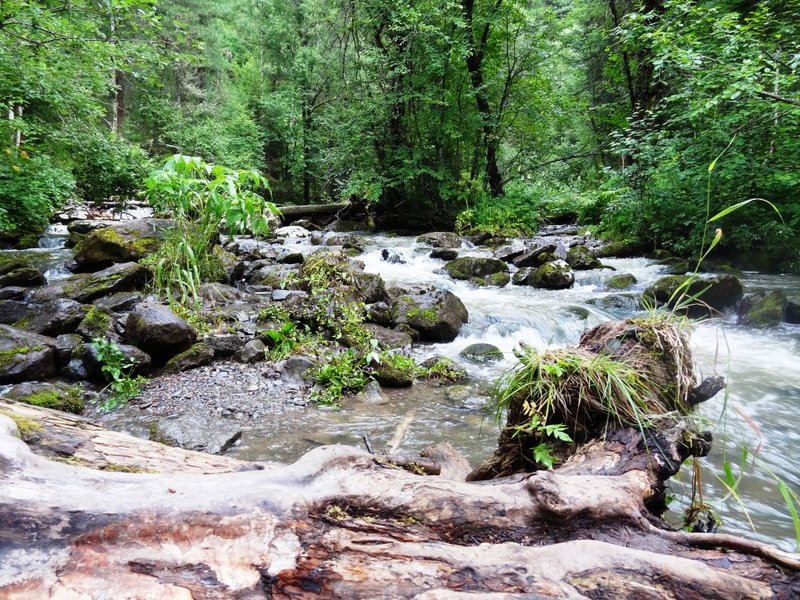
26, 428
68, 400
118, 468
96, 321
8, 356
23, 322
143, 246
427, 316
621, 281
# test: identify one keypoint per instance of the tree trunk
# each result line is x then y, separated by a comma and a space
342, 523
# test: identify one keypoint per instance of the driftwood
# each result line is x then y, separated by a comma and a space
342, 523
304, 211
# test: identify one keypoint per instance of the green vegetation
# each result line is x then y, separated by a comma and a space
69, 400
118, 371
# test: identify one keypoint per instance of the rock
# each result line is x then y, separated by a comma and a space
372, 394
273, 276
49, 395
291, 258
347, 242
343, 226
123, 277
580, 259
54, 317
405, 328
553, 275
716, 293
624, 302
444, 254
196, 356
98, 322
469, 267
392, 257
371, 287
197, 432
13, 292
25, 356
14, 312
225, 344
661, 254
125, 241
793, 310
119, 302
622, 281
380, 313
440, 239
220, 293
762, 309
535, 257
443, 369
676, 266
159, 332
618, 250
482, 352
65, 345
388, 339
389, 374
141, 360
252, 351
23, 276
437, 316
296, 370
496, 279
509, 252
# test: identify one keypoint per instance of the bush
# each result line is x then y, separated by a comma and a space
31, 190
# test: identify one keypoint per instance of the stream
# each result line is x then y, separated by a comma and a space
759, 410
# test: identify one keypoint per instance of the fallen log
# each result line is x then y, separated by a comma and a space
342, 523
306, 211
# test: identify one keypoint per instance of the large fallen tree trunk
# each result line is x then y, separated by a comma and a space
342, 523
303, 211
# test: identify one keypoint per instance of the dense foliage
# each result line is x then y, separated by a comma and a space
496, 114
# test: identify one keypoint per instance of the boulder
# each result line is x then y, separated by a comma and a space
618, 250
621, 281
25, 356
119, 302
762, 309
371, 287
297, 370
159, 332
292, 231
394, 258
792, 310
54, 317
346, 241
252, 351
535, 257
14, 312
580, 259
714, 293
482, 352
469, 267
196, 356
437, 315
372, 394
23, 276
440, 239
225, 344
379, 312
624, 302
388, 339
553, 275
123, 277
509, 252
444, 254
388, 374
65, 345
125, 241
202, 433
57, 396
98, 322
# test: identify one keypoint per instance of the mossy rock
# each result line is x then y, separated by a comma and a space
126, 241
440, 239
196, 356
24, 276
482, 352
98, 322
762, 309
535, 257
25, 356
56, 396
124, 277
714, 293
580, 259
468, 267
621, 281
437, 316
443, 369
553, 275
390, 374
619, 250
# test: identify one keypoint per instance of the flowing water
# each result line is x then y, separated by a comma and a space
759, 410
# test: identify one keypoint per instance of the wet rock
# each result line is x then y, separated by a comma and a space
14, 311
380, 313
443, 369
715, 293
141, 360
793, 310
297, 370
621, 281
65, 345
125, 241
437, 316
347, 242
509, 252
54, 317
392, 374
57, 396
580, 259
388, 339
225, 344
220, 293
444, 254
495, 279
407, 329
535, 257
159, 332
623, 302
252, 351
274, 276
23, 276
123, 277
98, 322
371, 287
469, 267
618, 250
482, 352
197, 432
120, 302
392, 257
440, 239
553, 275
13, 292
25, 356
762, 309
676, 266
344, 226
291, 258
196, 356
372, 394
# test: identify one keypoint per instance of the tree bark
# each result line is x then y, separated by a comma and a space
341, 523
303, 211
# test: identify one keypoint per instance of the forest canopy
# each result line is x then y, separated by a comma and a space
492, 115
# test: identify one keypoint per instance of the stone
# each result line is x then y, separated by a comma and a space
347, 242
509, 252
482, 352
371, 287
297, 370
443, 369
23, 276
25, 356
196, 356
98, 322
468, 267
762, 309
580, 259
379, 313
225, 344
621, 281
201, 433
14, 311
389, 374
372, 394
57, 396
65, 345
220, 293
437, 316
622, 302
793, 310
444, 254
252, 351
553, 275
159, 332
535, 257
122, 277
394, 258
388, 339
618, 250
119, 302
715, 293
54, 317
121, 242
440, 239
